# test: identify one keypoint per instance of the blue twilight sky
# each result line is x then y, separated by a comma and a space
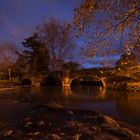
18, 18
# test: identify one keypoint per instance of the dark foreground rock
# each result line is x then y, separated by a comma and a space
53, 122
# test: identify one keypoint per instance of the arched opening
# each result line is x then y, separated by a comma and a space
92, 83
26, 81
86, 85
75, 82
87, 81
51, 81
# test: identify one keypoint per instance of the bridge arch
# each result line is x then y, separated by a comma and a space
26, 81
30, 80
51, 80
74, 81
67, 81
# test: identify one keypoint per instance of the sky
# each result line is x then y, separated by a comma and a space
19, 18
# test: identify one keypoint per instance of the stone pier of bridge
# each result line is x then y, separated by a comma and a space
66, 81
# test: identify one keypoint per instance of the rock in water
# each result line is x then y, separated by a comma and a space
54, 105
52, 137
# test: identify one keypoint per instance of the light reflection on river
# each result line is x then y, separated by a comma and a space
122, 106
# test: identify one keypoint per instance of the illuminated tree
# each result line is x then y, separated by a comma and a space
108, 26
126, 60
58, 40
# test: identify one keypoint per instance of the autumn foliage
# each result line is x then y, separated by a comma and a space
108, 27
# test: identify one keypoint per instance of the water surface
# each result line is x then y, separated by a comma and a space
121, 105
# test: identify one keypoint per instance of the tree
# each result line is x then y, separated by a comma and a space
71, 66
35, 55
58, 40
20, 66
7, 57
109, 27
126, 60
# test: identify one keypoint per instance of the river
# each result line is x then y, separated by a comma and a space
122, 106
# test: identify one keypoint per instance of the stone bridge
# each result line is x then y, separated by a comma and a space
82, 75
66, 78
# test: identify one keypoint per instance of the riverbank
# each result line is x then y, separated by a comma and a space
8, 83
53, 122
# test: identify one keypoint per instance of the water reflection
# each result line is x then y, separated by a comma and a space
92, 92
66, 91
102, 94
129, 105
122, 105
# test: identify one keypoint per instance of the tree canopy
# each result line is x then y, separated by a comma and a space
71, 66
7, 54
47, 49
35, 55
127, 60
59, 41
7, 57
108, 27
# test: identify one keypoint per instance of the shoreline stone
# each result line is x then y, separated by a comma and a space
53, 122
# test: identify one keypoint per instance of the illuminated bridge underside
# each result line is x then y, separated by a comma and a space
66, 81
